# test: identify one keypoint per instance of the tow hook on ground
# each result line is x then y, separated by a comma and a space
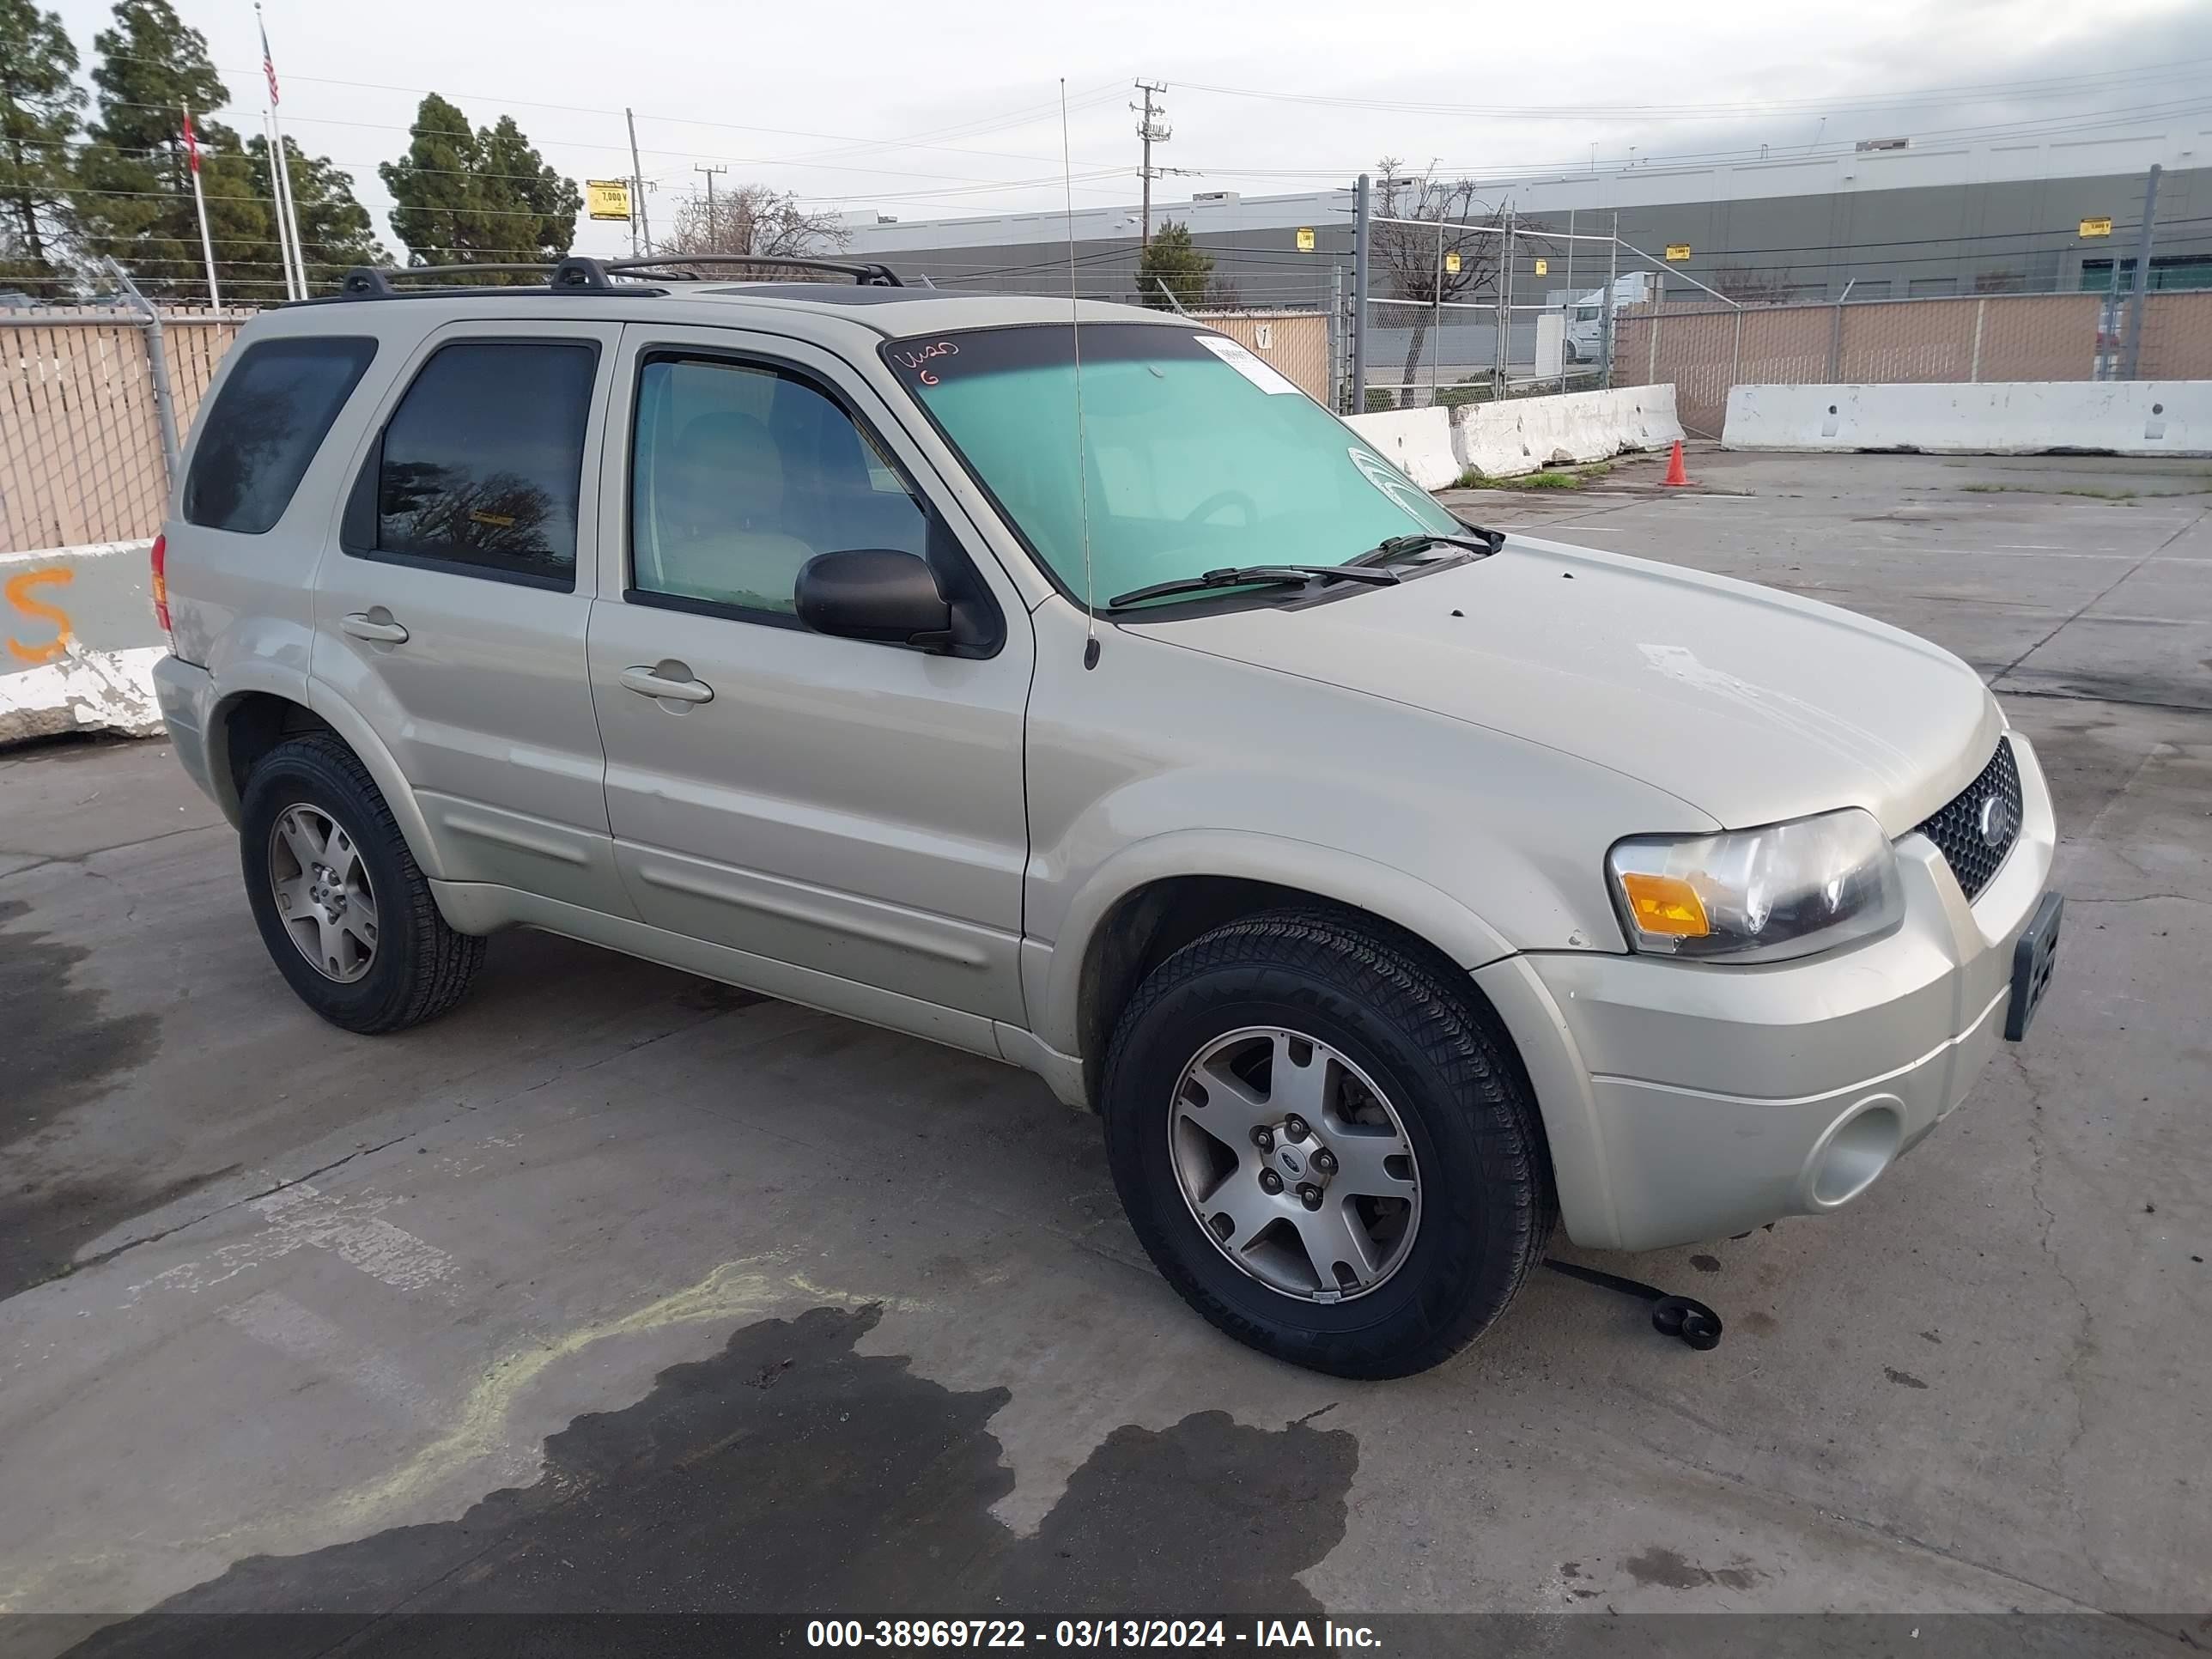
1671, 1315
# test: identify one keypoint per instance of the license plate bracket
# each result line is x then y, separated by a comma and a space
2032, 959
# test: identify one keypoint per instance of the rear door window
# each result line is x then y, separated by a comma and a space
274, 410
481, 463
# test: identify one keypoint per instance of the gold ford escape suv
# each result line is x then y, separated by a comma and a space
1062, 684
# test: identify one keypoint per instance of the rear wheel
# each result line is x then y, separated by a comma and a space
1323, 1146
345, 912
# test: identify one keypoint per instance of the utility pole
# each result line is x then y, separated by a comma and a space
1363, 229
2131, 344
712, 247
1150, 132
637, 185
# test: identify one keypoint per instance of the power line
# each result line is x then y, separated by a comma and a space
2107, 80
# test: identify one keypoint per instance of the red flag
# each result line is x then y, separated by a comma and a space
192, 144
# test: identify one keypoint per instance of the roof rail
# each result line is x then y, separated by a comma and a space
363, 281
867, 274
580, 274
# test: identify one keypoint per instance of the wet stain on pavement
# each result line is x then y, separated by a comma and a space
57, 1051
1903, 1379
1705, 1264
1669, 1569
790, 1475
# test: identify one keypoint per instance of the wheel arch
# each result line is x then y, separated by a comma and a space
246, 724
1159, 895
1155, 896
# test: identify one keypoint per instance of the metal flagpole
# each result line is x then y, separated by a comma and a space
199, 201
283, 170
276, 202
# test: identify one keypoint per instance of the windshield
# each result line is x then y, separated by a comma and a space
1197, 455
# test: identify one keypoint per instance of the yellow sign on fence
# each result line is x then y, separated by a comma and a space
1451, 260
607, 199
1543, 267
2096, 227
1678, 251
1305, 239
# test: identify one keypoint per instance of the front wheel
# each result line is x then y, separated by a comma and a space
1324, 1148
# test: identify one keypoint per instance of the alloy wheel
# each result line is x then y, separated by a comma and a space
1295, 1164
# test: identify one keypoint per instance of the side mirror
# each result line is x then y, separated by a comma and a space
874, 593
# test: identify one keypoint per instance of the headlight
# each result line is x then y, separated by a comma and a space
1764, 894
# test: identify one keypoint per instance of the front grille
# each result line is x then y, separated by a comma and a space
1957, 830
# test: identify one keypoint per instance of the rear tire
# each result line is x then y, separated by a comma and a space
346, 913
1429, 1081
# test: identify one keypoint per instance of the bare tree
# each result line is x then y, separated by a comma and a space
751, 219
1411, 267
1756, 285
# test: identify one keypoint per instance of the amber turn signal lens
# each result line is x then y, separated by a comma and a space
1665, 904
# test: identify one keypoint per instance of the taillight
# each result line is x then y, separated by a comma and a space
162, 583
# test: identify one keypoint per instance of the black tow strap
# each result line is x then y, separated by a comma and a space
1671, 1315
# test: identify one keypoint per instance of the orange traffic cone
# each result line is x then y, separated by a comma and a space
1675, 473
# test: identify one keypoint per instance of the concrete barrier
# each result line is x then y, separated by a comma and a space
2012, 417
1520, 435
78, 642
1418, 440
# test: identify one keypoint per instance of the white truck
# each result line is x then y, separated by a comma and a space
1585, 314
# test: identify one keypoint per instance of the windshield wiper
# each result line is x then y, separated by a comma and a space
1398, 547
1257, 575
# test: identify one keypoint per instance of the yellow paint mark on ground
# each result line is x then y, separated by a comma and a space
743, 1289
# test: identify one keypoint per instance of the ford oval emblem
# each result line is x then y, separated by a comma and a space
1996, 820
1290, 1160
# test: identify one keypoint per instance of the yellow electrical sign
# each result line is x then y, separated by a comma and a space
607, 199
1678, 251
1451, 261
1543, 267
1305, 239
2096, 227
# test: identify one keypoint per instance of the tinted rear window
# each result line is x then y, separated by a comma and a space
272, 415
484, 459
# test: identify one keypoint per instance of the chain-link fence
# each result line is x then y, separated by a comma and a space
85, 440
84, 456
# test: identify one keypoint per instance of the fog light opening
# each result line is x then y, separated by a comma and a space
1857, 1152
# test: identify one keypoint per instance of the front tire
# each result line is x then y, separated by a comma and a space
1324, 1146
346, 912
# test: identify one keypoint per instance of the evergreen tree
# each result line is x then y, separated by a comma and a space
334, 228
1173, 258
478, 197
39, 103
133, 195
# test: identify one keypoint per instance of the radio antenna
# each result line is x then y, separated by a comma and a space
1075, 339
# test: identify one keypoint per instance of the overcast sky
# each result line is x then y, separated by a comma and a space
928, 111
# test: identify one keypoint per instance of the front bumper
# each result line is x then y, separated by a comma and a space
1686, 1101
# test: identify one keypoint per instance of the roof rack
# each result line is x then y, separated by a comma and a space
867, 274
579, 274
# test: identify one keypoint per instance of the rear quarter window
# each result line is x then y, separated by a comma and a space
274, 410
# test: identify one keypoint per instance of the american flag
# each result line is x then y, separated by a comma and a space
268, 62
192, 143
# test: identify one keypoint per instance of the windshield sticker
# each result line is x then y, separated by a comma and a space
1261, 374
1392, 482
918, 357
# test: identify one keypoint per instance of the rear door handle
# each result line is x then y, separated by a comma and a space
668, 679
383, 631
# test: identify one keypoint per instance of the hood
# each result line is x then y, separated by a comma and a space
1749, 704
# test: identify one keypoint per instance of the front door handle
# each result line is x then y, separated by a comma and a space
377, 626
667, 679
